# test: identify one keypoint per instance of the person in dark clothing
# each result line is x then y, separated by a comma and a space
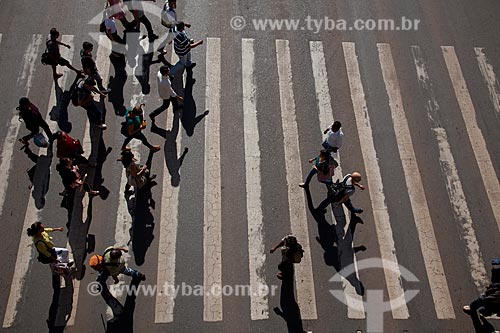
54, 55
86, 100
89, 66
291, 253
67, 147
133, 126
139, 17
29, 113
70, 175
487, 304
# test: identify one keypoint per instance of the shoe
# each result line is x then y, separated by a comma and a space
280, 275
102, 126
94, 193
153, 38
57, 76
152, 117
467, 309
152, 177
303, 185
106, 91
24, 142
357, 211
143, 277
155, 148
193, 65
127, 149
70, 262
128, 192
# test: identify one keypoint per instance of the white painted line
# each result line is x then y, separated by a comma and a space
374, 180
449, 169
24, 82
306, 297
488, 174
32, 215
212, 247
416, 192
355, 307
489, 78
169, 221
259, 307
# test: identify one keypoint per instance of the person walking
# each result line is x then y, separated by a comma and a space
348, 185
57, 257
323, 165
182, 47
115, 10
132, 127
114, 265
54, 57
33, 120
71, 178
137, 175
166, 93
89, 66
135, 6
169, 21
67, 147
334, 136
85, 87
291, 253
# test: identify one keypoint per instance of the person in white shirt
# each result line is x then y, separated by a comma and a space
169, 20
333, 140
349, 181
167, 94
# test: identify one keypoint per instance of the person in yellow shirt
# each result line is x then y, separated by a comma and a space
57, 257
114, 265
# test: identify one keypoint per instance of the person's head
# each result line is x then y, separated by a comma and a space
172, 4
66, 163
115, 254
58, 135
87, 47
137, 110
323, 154
24, 102
356, 177
180, 25
291, 242
35, 229
336, 126
54, 34
126, 158
164, 70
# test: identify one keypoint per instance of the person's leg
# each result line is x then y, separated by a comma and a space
127, 141
144, 140
322, 206
80, 159
43, 124
179, 66
351, 208
165, 104
133, 273
311, 173
151, 35
28, 137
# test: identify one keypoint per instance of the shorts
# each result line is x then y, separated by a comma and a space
62, 62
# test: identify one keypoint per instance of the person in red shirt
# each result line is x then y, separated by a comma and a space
67, 147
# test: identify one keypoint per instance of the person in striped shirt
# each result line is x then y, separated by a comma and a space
182, 47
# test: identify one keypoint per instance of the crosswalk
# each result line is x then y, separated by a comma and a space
298, 214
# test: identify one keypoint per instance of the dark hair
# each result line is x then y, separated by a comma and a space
87, 46
291, 241
58, 134
324, 153
24, 102
180, 25
164, 70
336, 124
34, 229
115, 254
54, 32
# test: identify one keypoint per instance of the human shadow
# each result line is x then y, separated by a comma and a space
170, 148
189, 119
59, 112
33, 157
123, 315
62, 304
342, 255
290, 310
143, 223
117, 83
142, 71
41, 175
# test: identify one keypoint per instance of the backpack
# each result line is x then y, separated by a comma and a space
337, 190
296, 253
97, 261
42, 258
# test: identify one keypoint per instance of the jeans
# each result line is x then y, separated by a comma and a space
103, 276
138, 136
184, 61
164, 106
93, 113
327, 201
144, 20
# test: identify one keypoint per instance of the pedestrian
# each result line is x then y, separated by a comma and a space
323, 165
133, 125
89, 66
57, 257
137, 175
169, 21
71, 178
84, 88
139, 17
333, 140
343, 192
114, 265
33, 120
166, 93
182, 47
487, 304
54, 56
115, 10
111, 30
291, 253
67, 147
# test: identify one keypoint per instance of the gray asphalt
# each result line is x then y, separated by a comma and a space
459, 23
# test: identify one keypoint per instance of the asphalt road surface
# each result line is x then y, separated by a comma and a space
420, 112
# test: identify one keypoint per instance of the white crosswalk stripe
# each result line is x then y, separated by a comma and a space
418, 200
306, 297
258, 260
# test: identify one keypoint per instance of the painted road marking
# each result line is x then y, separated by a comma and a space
489, 77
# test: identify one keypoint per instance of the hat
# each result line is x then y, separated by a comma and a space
127, 155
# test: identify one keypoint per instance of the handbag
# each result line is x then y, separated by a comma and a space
40, 140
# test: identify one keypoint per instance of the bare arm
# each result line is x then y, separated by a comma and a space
281, 243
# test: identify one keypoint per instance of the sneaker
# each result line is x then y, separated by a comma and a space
94, 193
143, 277
152, 117
193, 65
357, 211
467, 309
102, 126
155, 148
303, 185
153, 38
